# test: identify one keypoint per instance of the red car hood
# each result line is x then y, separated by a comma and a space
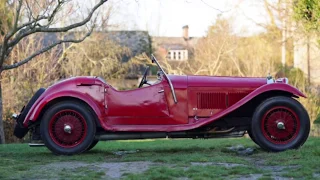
225, 81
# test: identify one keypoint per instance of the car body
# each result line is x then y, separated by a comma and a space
72, 115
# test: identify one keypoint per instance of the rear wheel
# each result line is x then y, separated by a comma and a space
280, 123
68, 128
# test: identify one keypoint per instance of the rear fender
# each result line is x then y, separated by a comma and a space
46, 99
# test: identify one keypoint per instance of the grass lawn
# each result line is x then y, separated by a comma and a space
162, 159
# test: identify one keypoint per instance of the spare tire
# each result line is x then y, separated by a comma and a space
20, 131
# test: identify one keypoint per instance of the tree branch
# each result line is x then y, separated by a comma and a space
221, 11
62, 29
72, 26
15, 25
55, 11
30, 11
15, 65
4, 46
17, 15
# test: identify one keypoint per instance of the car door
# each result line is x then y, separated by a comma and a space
141, 106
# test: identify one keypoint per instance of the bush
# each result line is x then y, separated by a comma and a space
317, 121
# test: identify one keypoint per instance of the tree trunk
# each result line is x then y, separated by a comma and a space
2, 137
284, 38
308, 60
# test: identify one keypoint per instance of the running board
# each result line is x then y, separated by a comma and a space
173, 135
126, 136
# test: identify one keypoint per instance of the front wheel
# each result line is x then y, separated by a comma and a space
249, 131
68, 128
280, 123
93, 144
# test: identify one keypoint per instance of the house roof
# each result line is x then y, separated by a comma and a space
174, 43
137, 41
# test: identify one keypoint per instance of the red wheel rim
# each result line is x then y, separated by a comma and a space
68, 128
280, 125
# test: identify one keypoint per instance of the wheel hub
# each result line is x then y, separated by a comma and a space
67, 129
280, 125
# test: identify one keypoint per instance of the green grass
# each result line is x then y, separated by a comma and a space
19, 161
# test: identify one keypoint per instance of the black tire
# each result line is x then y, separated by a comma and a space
20, 131
94, 143
249, 131
53, 128
280, 123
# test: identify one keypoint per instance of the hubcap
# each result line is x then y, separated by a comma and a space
67, 128
280, 125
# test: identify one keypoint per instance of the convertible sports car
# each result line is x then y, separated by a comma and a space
72, 115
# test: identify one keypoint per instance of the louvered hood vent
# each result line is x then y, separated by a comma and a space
218, 100
211, 100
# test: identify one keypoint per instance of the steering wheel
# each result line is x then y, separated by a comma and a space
144, 78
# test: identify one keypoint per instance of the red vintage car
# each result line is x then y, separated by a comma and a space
72, 115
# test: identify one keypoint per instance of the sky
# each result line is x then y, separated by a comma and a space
167, 17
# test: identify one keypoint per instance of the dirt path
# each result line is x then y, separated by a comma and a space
116, 170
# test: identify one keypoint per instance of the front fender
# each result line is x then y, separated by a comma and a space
277, 87
96, 103
263, 89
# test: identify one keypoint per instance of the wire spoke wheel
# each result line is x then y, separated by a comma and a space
67, 128
280, 125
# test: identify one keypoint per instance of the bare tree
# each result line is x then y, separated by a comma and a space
278, 15
21, 83
36, 17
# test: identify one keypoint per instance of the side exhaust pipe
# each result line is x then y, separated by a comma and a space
36, 144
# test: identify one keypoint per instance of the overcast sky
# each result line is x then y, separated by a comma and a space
166, 17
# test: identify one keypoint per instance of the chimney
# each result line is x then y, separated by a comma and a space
185, 32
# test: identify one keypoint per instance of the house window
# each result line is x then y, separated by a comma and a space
169, 55
178, 55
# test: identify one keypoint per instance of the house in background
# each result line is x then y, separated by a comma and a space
171, 48
175, 48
